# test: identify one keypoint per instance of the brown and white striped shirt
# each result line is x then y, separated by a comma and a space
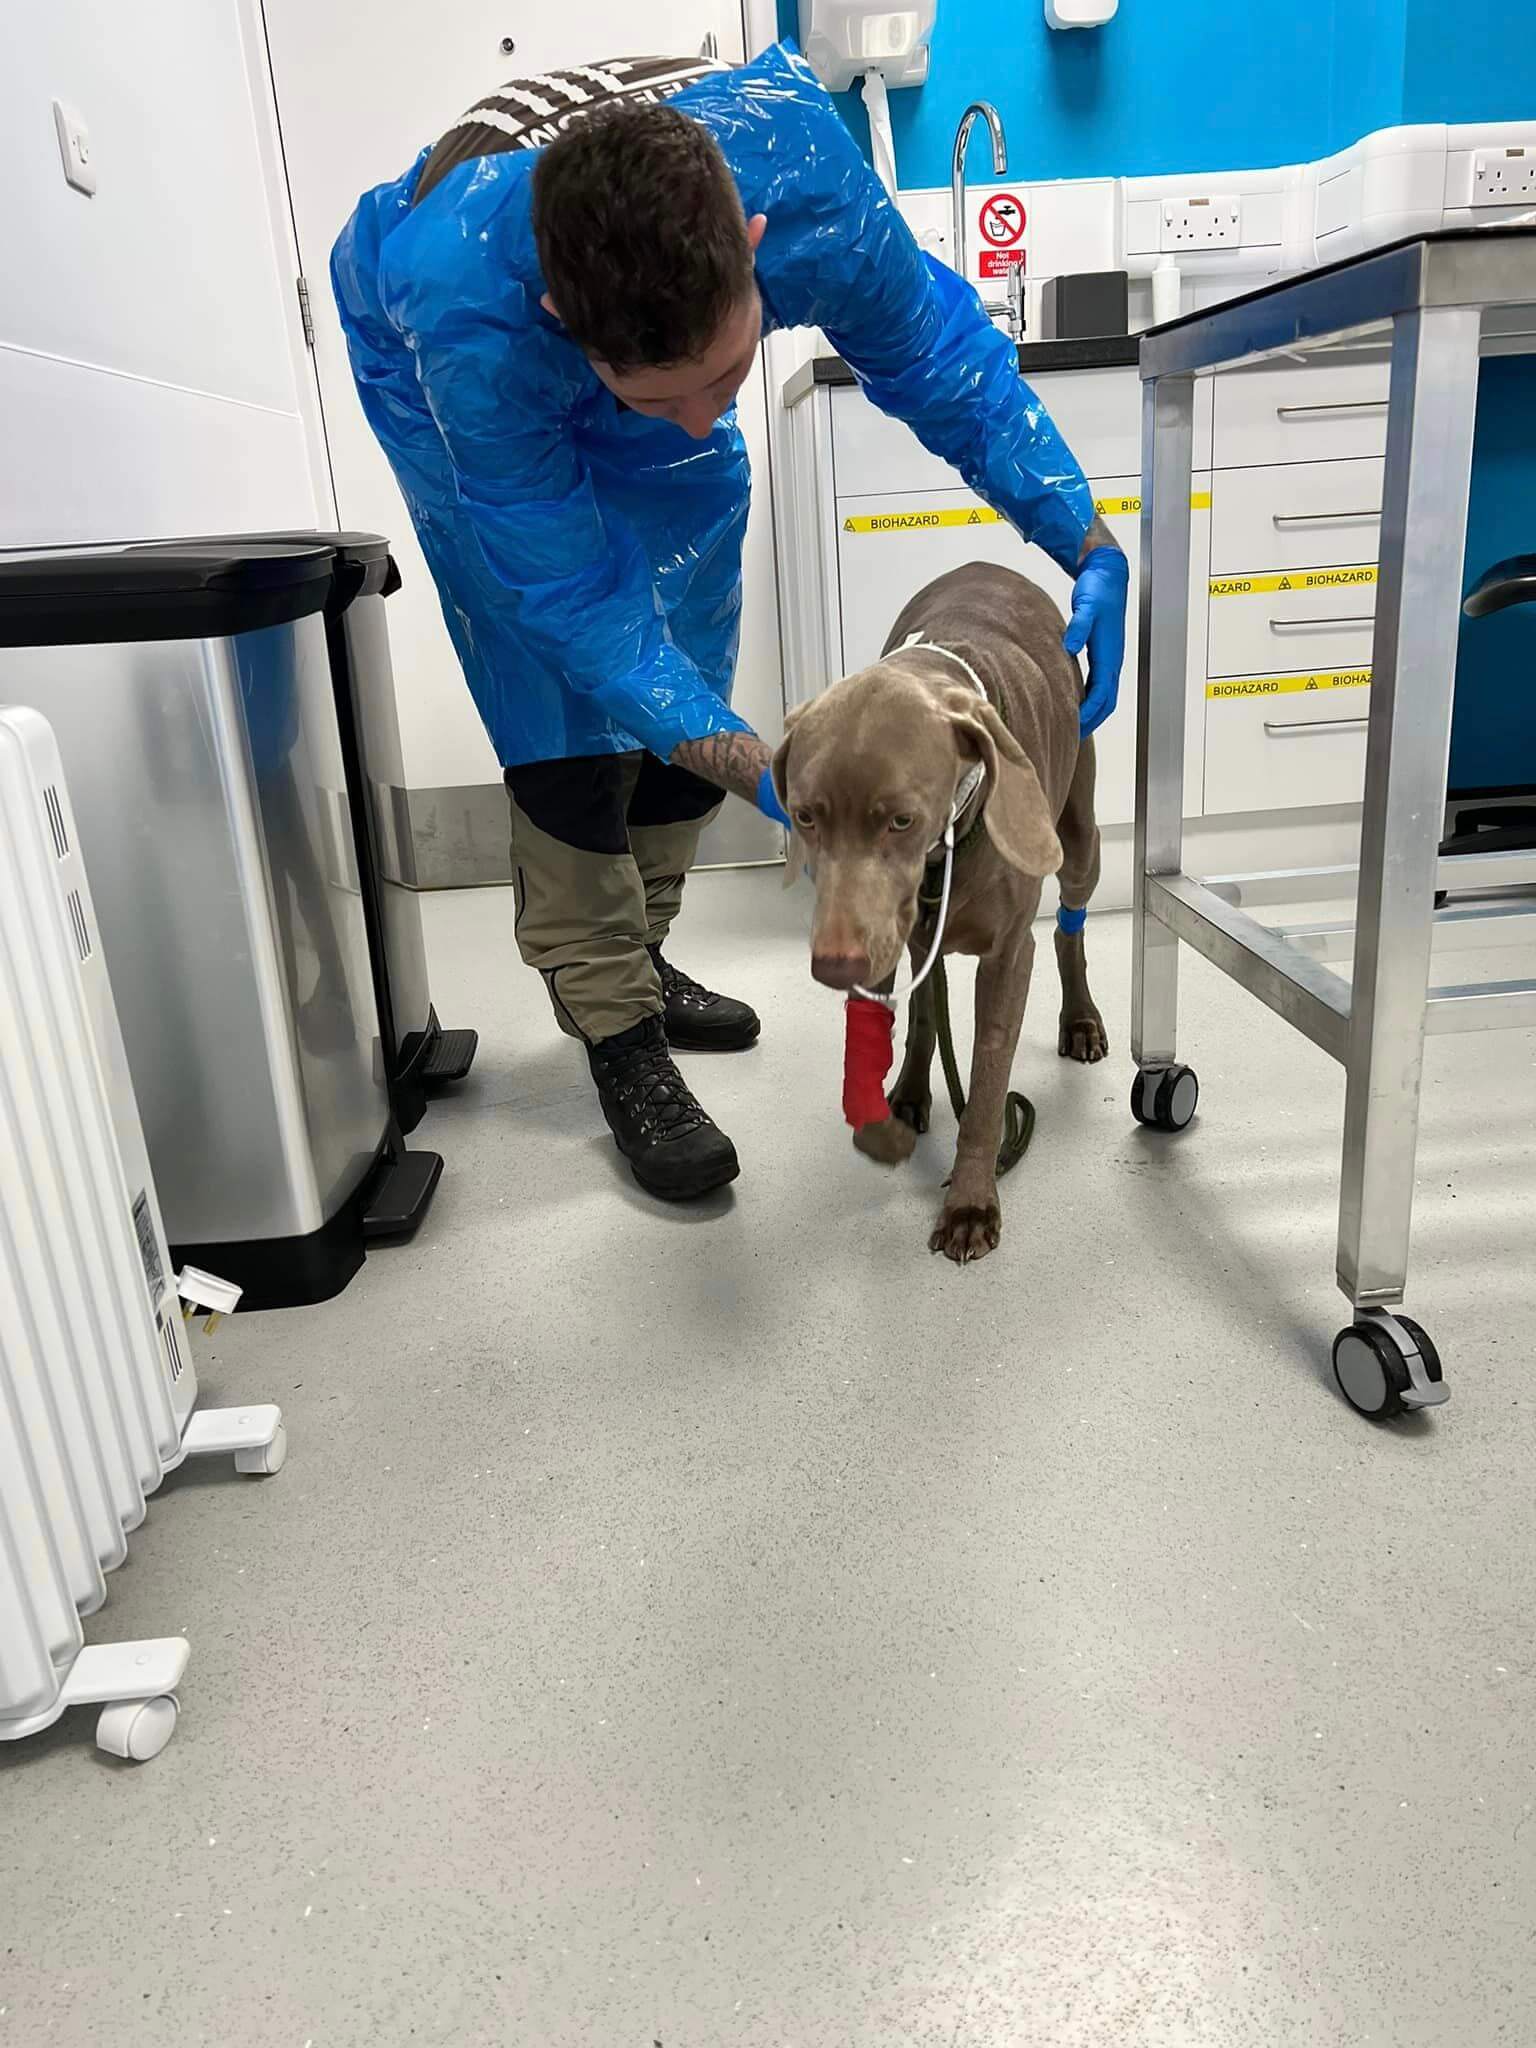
529, 112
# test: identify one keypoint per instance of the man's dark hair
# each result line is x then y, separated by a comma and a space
641, 236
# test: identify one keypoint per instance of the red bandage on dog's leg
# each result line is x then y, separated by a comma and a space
867, 1055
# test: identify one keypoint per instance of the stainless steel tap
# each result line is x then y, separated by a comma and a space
978, 110
1015, 307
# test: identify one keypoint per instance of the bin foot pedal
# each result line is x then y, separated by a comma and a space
402, 1196
449, 1058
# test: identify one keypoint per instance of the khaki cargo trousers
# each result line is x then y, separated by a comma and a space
601, 846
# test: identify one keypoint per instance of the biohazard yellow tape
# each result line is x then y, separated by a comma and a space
916, 522
1290, 686
1293, 579
922, 521
1199, 501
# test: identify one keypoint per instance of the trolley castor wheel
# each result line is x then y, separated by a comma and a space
1164, 1098
1385, 1363
137, 1730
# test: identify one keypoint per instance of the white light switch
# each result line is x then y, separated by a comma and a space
75, 148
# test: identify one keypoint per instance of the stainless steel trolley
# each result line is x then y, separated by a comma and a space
1441, 301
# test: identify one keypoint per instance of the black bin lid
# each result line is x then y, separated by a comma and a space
365, 557
176, 590
352, 547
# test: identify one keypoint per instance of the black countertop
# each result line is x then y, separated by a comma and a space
1277, 287
1106, 352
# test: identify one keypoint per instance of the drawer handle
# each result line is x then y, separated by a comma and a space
1290, 728
1342, 405
1284, 519
1317, 625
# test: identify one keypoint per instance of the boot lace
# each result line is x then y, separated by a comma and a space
675, 985
647, 1085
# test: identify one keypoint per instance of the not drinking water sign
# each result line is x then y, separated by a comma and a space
1000, 223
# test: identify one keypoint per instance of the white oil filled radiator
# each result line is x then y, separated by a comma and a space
97, 1384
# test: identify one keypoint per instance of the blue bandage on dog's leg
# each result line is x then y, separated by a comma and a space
1070, 921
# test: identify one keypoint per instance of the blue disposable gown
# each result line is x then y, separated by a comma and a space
589, 559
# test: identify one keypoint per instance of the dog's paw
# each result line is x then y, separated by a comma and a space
890, 1141
1083, 1039
967, 1231
915, 1111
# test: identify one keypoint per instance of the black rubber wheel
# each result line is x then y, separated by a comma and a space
1165, 1098
1370, 1370
1427, 1351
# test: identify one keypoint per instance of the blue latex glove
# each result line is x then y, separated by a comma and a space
1098, 623
768, 801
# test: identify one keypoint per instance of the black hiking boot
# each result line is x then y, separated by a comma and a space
674, 1149
697, 1019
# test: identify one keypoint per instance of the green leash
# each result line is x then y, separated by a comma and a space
1018, 1118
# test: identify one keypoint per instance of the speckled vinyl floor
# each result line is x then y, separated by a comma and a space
736, 1627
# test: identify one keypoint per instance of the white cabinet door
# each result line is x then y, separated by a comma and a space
1098, 413
360, 91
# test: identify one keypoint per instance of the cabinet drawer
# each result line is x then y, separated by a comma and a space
1325, 619
1287, 750
1315, 412
1298, 515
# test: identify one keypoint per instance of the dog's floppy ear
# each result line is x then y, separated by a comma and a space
1017, 817
794, 859
780, 762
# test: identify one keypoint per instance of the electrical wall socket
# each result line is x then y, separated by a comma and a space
1209, 221
1504, 177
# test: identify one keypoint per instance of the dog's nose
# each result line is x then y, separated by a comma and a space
840, 970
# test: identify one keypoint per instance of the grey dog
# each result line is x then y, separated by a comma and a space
974, 673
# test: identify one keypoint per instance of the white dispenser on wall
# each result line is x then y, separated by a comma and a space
847, 39
884, 45
1080, 13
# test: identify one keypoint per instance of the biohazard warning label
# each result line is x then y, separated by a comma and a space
1290, 686
1108, 508
908, 522
1293, 579
923, 519
1002, 220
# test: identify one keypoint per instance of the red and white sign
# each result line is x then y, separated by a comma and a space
1002, 220
997, 263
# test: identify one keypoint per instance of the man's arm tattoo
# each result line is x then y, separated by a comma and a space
1097, 536
732, 760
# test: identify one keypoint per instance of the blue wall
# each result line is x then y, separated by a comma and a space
1474, 61
1493, 734
1189, 85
